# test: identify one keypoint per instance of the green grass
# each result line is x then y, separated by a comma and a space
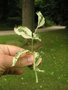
55, 63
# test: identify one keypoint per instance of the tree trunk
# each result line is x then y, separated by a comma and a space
28, 13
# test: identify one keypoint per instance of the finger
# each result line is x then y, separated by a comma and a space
13, 72
25, 61
6, 61
9, 49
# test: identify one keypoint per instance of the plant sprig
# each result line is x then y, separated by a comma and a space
27, 34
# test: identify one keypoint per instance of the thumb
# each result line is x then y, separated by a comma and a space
24, 61
6, 61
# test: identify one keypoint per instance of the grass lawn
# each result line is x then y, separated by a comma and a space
55, 63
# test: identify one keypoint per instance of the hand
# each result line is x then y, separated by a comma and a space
7, 52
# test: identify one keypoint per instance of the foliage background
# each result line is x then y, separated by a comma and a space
54, 11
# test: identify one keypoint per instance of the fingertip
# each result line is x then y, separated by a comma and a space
30, 59
13, 72
19, 72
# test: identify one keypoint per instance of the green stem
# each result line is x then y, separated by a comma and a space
32, 45
34, 68
36, 76
36, 29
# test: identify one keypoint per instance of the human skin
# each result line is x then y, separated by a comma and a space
7, 52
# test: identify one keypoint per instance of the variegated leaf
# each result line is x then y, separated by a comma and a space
36, 55
38, 62
35, 36
24, 32
41, 19
38, 58
38, 70
18, 55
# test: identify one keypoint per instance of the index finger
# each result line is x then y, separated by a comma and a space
9, 49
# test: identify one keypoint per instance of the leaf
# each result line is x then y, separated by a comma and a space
36, 55
38, 58
24, 32
38, 62
18, 55
38, 70
41, 19
35, 36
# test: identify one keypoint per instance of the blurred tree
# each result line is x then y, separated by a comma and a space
28, 13
56, 10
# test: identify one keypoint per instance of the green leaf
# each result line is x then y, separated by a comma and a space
18, 55
41, 19
24, 32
